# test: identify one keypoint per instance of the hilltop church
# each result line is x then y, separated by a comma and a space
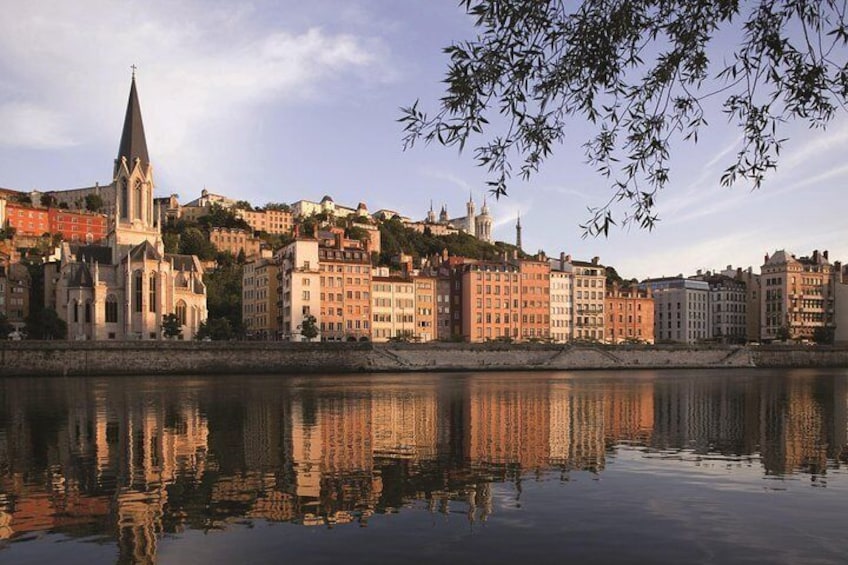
124, 288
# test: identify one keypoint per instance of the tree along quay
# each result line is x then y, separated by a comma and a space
74, 358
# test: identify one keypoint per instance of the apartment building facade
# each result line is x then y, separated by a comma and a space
798, 295
562, 297
589, 287
535, 299
681, 309
629, 315
259, 297
300, 289
345, 288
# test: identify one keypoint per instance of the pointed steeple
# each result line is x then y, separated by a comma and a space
133, 143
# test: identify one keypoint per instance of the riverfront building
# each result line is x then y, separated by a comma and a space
303, 289
798, 295
681, 312
589, 293
629, 315
562, 297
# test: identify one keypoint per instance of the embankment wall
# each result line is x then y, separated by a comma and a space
32, 358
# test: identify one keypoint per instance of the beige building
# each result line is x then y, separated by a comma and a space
235, 241
588, 304
277, 222
425, 308
259, 297
392, 308
798, 295
562, 297
125, 288
300, 289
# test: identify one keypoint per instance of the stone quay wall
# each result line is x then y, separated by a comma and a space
67, 358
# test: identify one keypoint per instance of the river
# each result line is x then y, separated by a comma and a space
699, 466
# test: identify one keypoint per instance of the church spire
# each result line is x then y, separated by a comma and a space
133, 143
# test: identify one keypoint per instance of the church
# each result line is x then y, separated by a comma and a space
124, 288
477, 225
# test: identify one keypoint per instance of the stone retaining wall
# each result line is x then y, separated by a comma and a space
32, 358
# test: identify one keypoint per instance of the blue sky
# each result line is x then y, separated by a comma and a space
281, 101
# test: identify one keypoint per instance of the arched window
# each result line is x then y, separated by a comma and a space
74, 311
88, 311
181, 312
138, 201
125, 200
151, 304
137, 291
111, 309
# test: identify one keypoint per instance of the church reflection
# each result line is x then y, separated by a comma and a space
130, 459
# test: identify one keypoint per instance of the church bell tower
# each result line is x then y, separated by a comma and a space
133, 216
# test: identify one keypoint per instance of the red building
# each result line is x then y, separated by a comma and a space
27, 220
78, 225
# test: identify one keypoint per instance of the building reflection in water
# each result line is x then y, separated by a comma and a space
130, 459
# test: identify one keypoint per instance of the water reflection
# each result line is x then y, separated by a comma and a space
128, 459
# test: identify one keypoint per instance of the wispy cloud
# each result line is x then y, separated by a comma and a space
33, 127
198, 65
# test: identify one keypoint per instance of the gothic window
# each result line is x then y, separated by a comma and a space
125, 200
137, 291
138, 200
181, 312
75, 310
151, 304
111, 309
88, 311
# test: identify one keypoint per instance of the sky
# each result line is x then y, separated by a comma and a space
280, 101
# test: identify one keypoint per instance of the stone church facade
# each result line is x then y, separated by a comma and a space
125, 287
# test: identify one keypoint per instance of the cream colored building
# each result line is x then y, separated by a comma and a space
392, 308
125, 288
299, 291
562, 296
798, 295
589, 287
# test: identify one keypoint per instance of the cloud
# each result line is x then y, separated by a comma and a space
201, 67
30, 126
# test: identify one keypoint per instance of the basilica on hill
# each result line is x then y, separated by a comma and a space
477, 225
124, 287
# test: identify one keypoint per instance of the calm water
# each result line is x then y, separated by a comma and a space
601, 467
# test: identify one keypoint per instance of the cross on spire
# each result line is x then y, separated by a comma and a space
133, 67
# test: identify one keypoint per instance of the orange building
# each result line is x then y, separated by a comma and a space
78, 225
630, 315
490, 300
345, 268
535, 299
